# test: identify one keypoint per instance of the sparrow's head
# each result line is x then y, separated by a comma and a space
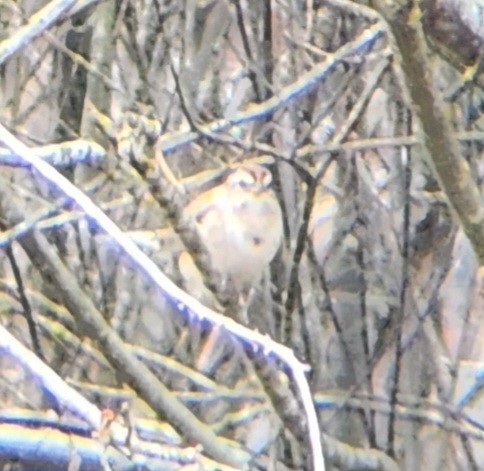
250, 177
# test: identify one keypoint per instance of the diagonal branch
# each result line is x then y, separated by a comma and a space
37, 23
302, 85
450, 167
78, 303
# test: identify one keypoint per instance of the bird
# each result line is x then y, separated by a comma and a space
240, 224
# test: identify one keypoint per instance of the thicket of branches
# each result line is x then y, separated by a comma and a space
144, 104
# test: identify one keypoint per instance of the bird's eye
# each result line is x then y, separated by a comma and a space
242, 179
245, 183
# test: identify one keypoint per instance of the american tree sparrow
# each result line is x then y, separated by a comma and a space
239, 223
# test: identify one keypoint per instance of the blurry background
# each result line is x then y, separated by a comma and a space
375, 286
